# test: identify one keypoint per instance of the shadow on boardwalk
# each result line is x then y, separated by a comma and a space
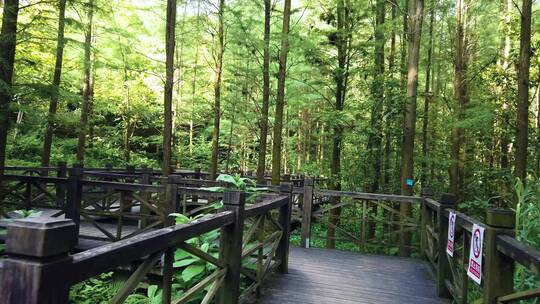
333, 276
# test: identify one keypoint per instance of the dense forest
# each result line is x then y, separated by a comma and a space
373, 94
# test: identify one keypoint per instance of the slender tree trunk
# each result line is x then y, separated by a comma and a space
538, 132
389, 103
377, 91
91, 104
127, 118
170, 41
261, 164
522, 131
340, 77
416, 9
404, 46
8, 42
503, 63
280, 100
427, 100
194, 85
403, 89
53, 105
217, 91
87, 88
179, 52
231, 130
462, 99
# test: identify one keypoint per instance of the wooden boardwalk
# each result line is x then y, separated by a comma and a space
333, 276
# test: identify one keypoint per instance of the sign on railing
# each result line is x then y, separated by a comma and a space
475, 256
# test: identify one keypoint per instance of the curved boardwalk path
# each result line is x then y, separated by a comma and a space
340, 277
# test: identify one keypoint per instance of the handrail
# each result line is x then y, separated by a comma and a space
92, 262
262, 208
521, 253
123, 186
29, 178
369, 196
464, 221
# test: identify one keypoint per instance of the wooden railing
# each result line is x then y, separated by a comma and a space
501, 253
40, 266
377, 218
369, 221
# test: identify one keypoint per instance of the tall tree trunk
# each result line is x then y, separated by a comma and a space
404, 46
87, 88
53, 105
403, 89
522, 131
261, 163
505, 10
537, 168
340, 77
194, 85
8, 42
462, 99
280, 100
127, 118
389, 102
217, 91
416, 9
427, 100
170, 41
377, 91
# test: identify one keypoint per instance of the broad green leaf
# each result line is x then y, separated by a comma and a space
184, 263
226, 179
205, 247
192, 271
249, 181
258, 189
180, 218
218, 205
181, 254
212, 189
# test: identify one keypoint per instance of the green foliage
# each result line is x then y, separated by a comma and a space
28, 213
95, 290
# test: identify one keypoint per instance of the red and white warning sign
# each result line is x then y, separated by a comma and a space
475, 256
451, 233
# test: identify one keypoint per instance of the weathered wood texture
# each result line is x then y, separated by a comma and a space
340, 277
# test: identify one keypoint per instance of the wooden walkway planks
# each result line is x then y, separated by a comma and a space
333, 276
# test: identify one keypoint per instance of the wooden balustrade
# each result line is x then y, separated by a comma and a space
265, 242
41, 266
501, 253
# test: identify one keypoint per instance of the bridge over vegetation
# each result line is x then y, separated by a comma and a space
184, 239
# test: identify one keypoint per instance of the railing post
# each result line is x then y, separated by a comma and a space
195, 198
448, 201
284, 219
171, 205
171, 196
426, 219
61, 187
498, 268
125, 196
144, 210
74, 194
36, 269
307, 206
231, 247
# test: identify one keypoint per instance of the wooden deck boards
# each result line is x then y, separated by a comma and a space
332, 276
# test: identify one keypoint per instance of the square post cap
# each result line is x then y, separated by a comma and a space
501, 218
41, 237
